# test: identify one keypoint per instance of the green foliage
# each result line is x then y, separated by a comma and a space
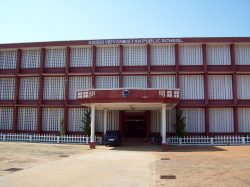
62, 132
180, 126
86, 121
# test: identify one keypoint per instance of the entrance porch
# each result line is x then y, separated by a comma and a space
130, 99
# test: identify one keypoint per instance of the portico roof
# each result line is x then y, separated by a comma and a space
129, 99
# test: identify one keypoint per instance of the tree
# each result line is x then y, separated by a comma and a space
62, 131
86, 121
180, 126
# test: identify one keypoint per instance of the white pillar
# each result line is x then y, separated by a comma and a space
105, 120
163, 123
92, 136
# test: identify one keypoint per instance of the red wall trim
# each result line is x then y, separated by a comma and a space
176, 57
207, 121
206, 88
129, 42
15, 119
39, 123
121, 66
94, 59
43, 53
204, 53
236, 121
19, 60
65, 119
232, 56
234, 89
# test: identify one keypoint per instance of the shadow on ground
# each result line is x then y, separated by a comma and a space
155, 147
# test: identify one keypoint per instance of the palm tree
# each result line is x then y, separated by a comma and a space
180, 126
86, 121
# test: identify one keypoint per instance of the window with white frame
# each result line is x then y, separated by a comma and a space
221, 120
81, 57
75, 115
29, 88
8, 59
191, 86
99, 120
135, 56
195, 119
243, 86
7, 86
106, 82
79, 83
242, 54
27, 119
135, 81
107, 56
51, 119
113, 120
163, 81
220, 87
54, 88
6, 118
55, 58
162, 55
218, 55
190, 55
244, 120
156, 120
31, 58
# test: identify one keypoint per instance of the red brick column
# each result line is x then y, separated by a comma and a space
148, 64
40, 100
66, 90
93, 66
16, 94
121, 66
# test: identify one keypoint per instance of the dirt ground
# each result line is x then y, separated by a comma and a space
130, 165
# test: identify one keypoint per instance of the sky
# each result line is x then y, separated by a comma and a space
24, 21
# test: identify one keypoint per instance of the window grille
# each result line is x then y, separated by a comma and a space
54, 88
78, 83
55, 58
75, 115
107, 56
162, 55
134, 111
220, 87
27, 119
156, 120
190, 55
99, 120
104, 82
243, 86
244, 120
195, 119
51, 119
163, 81
135, 56
242, 54
134, 81
6, 118
113, 120
7, 86
218, 55
81, 57
221, 120
29, 88
192, 86
8, 59
31, 58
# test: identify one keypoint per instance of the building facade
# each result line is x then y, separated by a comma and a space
39, 84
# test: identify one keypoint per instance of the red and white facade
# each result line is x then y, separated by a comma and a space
39, 84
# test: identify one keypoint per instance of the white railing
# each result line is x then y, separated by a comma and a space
48, 138
205, 140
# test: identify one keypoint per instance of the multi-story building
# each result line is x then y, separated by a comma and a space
39, 84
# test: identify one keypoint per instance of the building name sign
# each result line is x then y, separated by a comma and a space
135, 41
